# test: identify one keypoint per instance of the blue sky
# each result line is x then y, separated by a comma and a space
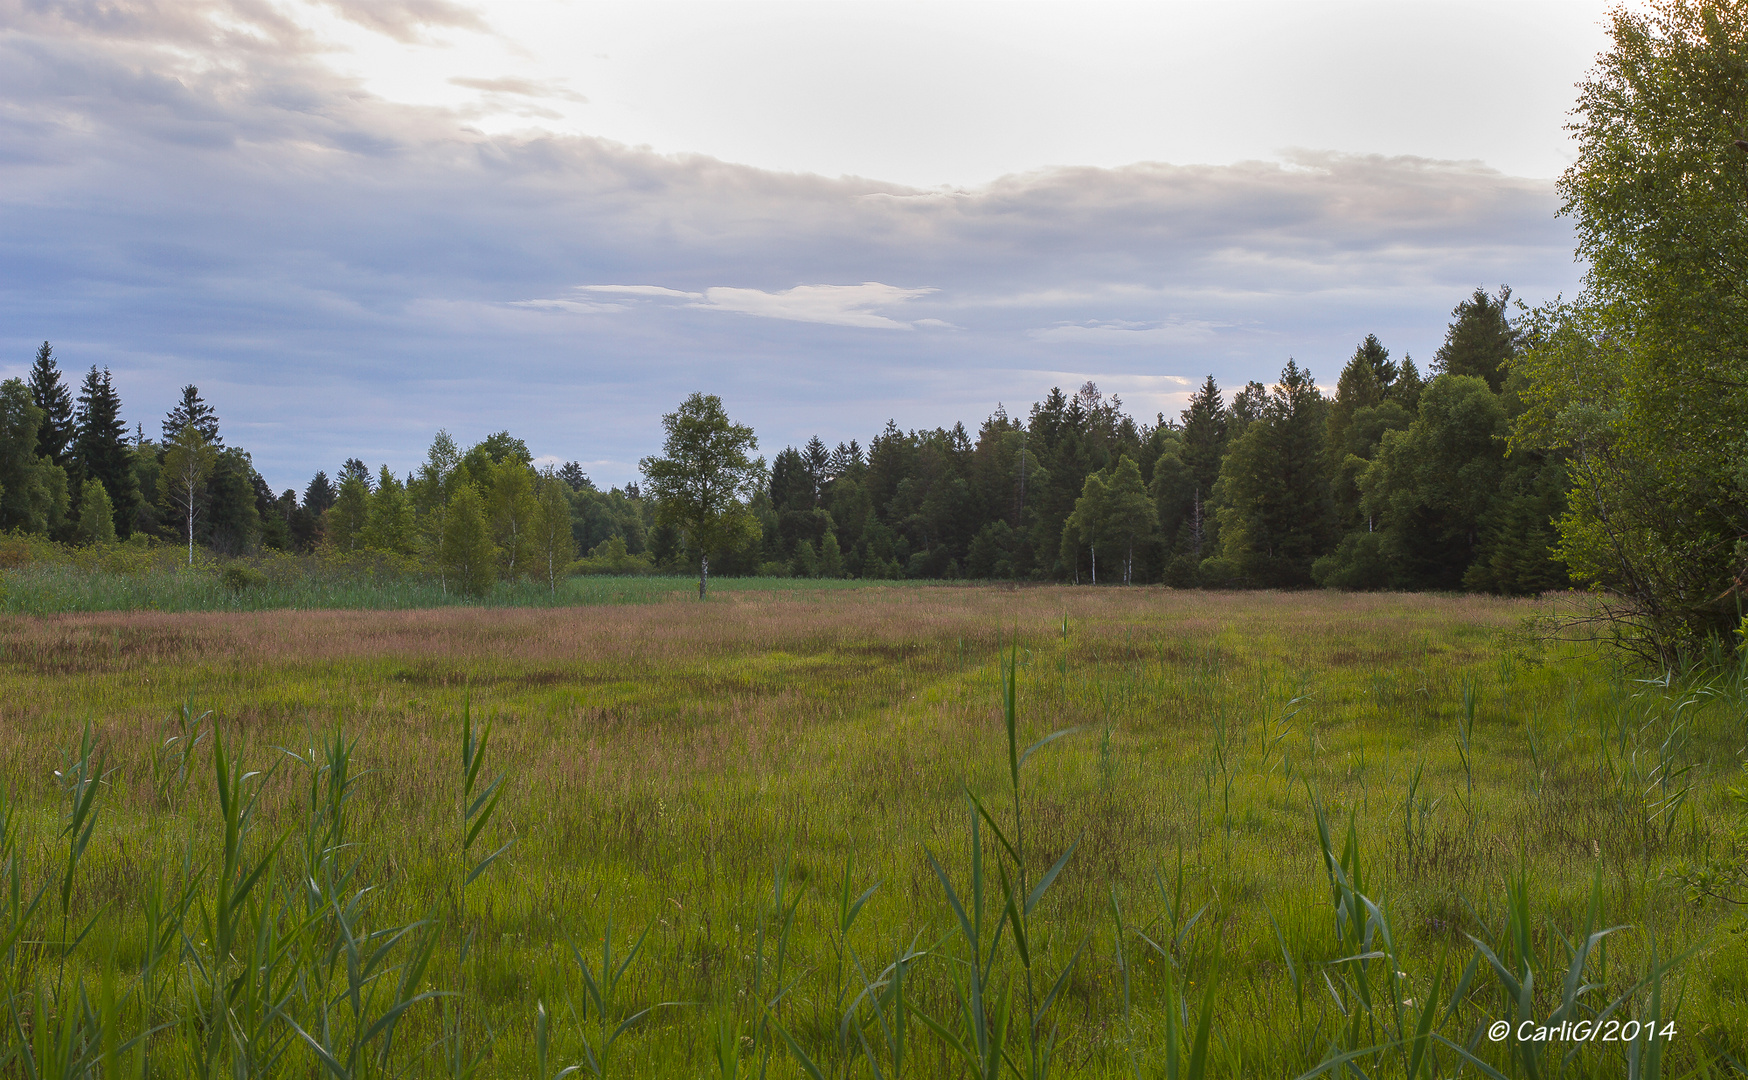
352, 224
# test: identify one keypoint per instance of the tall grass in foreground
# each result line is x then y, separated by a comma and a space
267, 948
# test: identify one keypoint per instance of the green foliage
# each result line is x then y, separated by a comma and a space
511, 507
188, 461
1275, 513
1641, 380
54, 437
550, 538
611, 557
390, 522
469, 558
1429, 489
100, 447
96, 524
1481, 341
703, 477
343, 524
33, 489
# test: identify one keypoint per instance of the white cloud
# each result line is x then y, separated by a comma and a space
641, 290
579, 307
1124, 333
835, 305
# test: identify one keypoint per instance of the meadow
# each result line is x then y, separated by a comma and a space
796, 832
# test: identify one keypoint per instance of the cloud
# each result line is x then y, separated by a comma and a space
188, 195
406, 20
833, 305
641, 290
1125, 334
534, 88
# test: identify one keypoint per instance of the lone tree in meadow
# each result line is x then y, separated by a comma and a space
188, 461
703, 478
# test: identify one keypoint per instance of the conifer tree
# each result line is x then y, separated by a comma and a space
54, 436
574, 476
1274, 491
191, 409
319, 495
345, 519
1480, 341
100, 449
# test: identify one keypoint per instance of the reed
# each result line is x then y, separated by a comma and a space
858, 835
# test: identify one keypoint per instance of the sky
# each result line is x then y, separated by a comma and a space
354, 223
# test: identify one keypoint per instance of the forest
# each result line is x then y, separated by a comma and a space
1393, 481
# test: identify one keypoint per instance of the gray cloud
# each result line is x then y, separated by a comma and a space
185, 197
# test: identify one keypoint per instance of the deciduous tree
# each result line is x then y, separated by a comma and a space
188, 461
704, 477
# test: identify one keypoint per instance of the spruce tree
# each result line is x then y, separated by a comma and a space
193, 410
575, 478
1275, 517
319, 495
1204, 435
1480, 340
100, 449
54, 436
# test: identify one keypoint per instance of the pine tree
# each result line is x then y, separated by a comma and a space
192, 410
54, 437
100, 449
818, 460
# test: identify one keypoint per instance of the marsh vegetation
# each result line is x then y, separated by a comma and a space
796, 834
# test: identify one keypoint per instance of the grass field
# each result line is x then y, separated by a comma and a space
708, 775
305, 583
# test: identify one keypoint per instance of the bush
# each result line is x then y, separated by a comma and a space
610, 557
240, 576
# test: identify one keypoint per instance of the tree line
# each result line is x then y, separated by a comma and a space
1392, 481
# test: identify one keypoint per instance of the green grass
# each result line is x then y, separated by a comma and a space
1299, 829
48, 589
